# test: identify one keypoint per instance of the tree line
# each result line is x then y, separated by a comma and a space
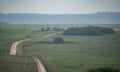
52, 29
90, 30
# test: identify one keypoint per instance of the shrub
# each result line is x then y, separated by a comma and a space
107, 69
58, 40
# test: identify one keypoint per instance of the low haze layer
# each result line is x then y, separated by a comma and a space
58, 6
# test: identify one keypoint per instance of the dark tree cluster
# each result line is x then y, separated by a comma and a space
45, 29
52, 29
58, 40
107, 69
90, 30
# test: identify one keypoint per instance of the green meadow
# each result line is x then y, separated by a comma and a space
81, 54
17, 64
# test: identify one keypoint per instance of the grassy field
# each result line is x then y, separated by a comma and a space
11, 33
83, 53
17, 64
8, 36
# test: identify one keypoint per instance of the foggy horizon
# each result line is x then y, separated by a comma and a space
65, 13
59, 6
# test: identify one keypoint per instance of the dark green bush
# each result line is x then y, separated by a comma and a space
106, 69
58, 40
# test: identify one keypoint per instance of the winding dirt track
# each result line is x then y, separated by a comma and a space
13, 50
39, 64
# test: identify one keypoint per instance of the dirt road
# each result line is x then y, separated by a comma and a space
39, 64
49, 35
13, 50
14, 47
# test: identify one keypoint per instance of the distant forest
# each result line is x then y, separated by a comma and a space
90, 30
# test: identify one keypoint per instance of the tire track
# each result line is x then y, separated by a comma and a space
39, 64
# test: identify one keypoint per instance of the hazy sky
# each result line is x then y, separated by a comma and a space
58, 6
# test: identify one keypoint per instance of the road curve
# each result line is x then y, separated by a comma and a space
39, 64
13, 50
14, 47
